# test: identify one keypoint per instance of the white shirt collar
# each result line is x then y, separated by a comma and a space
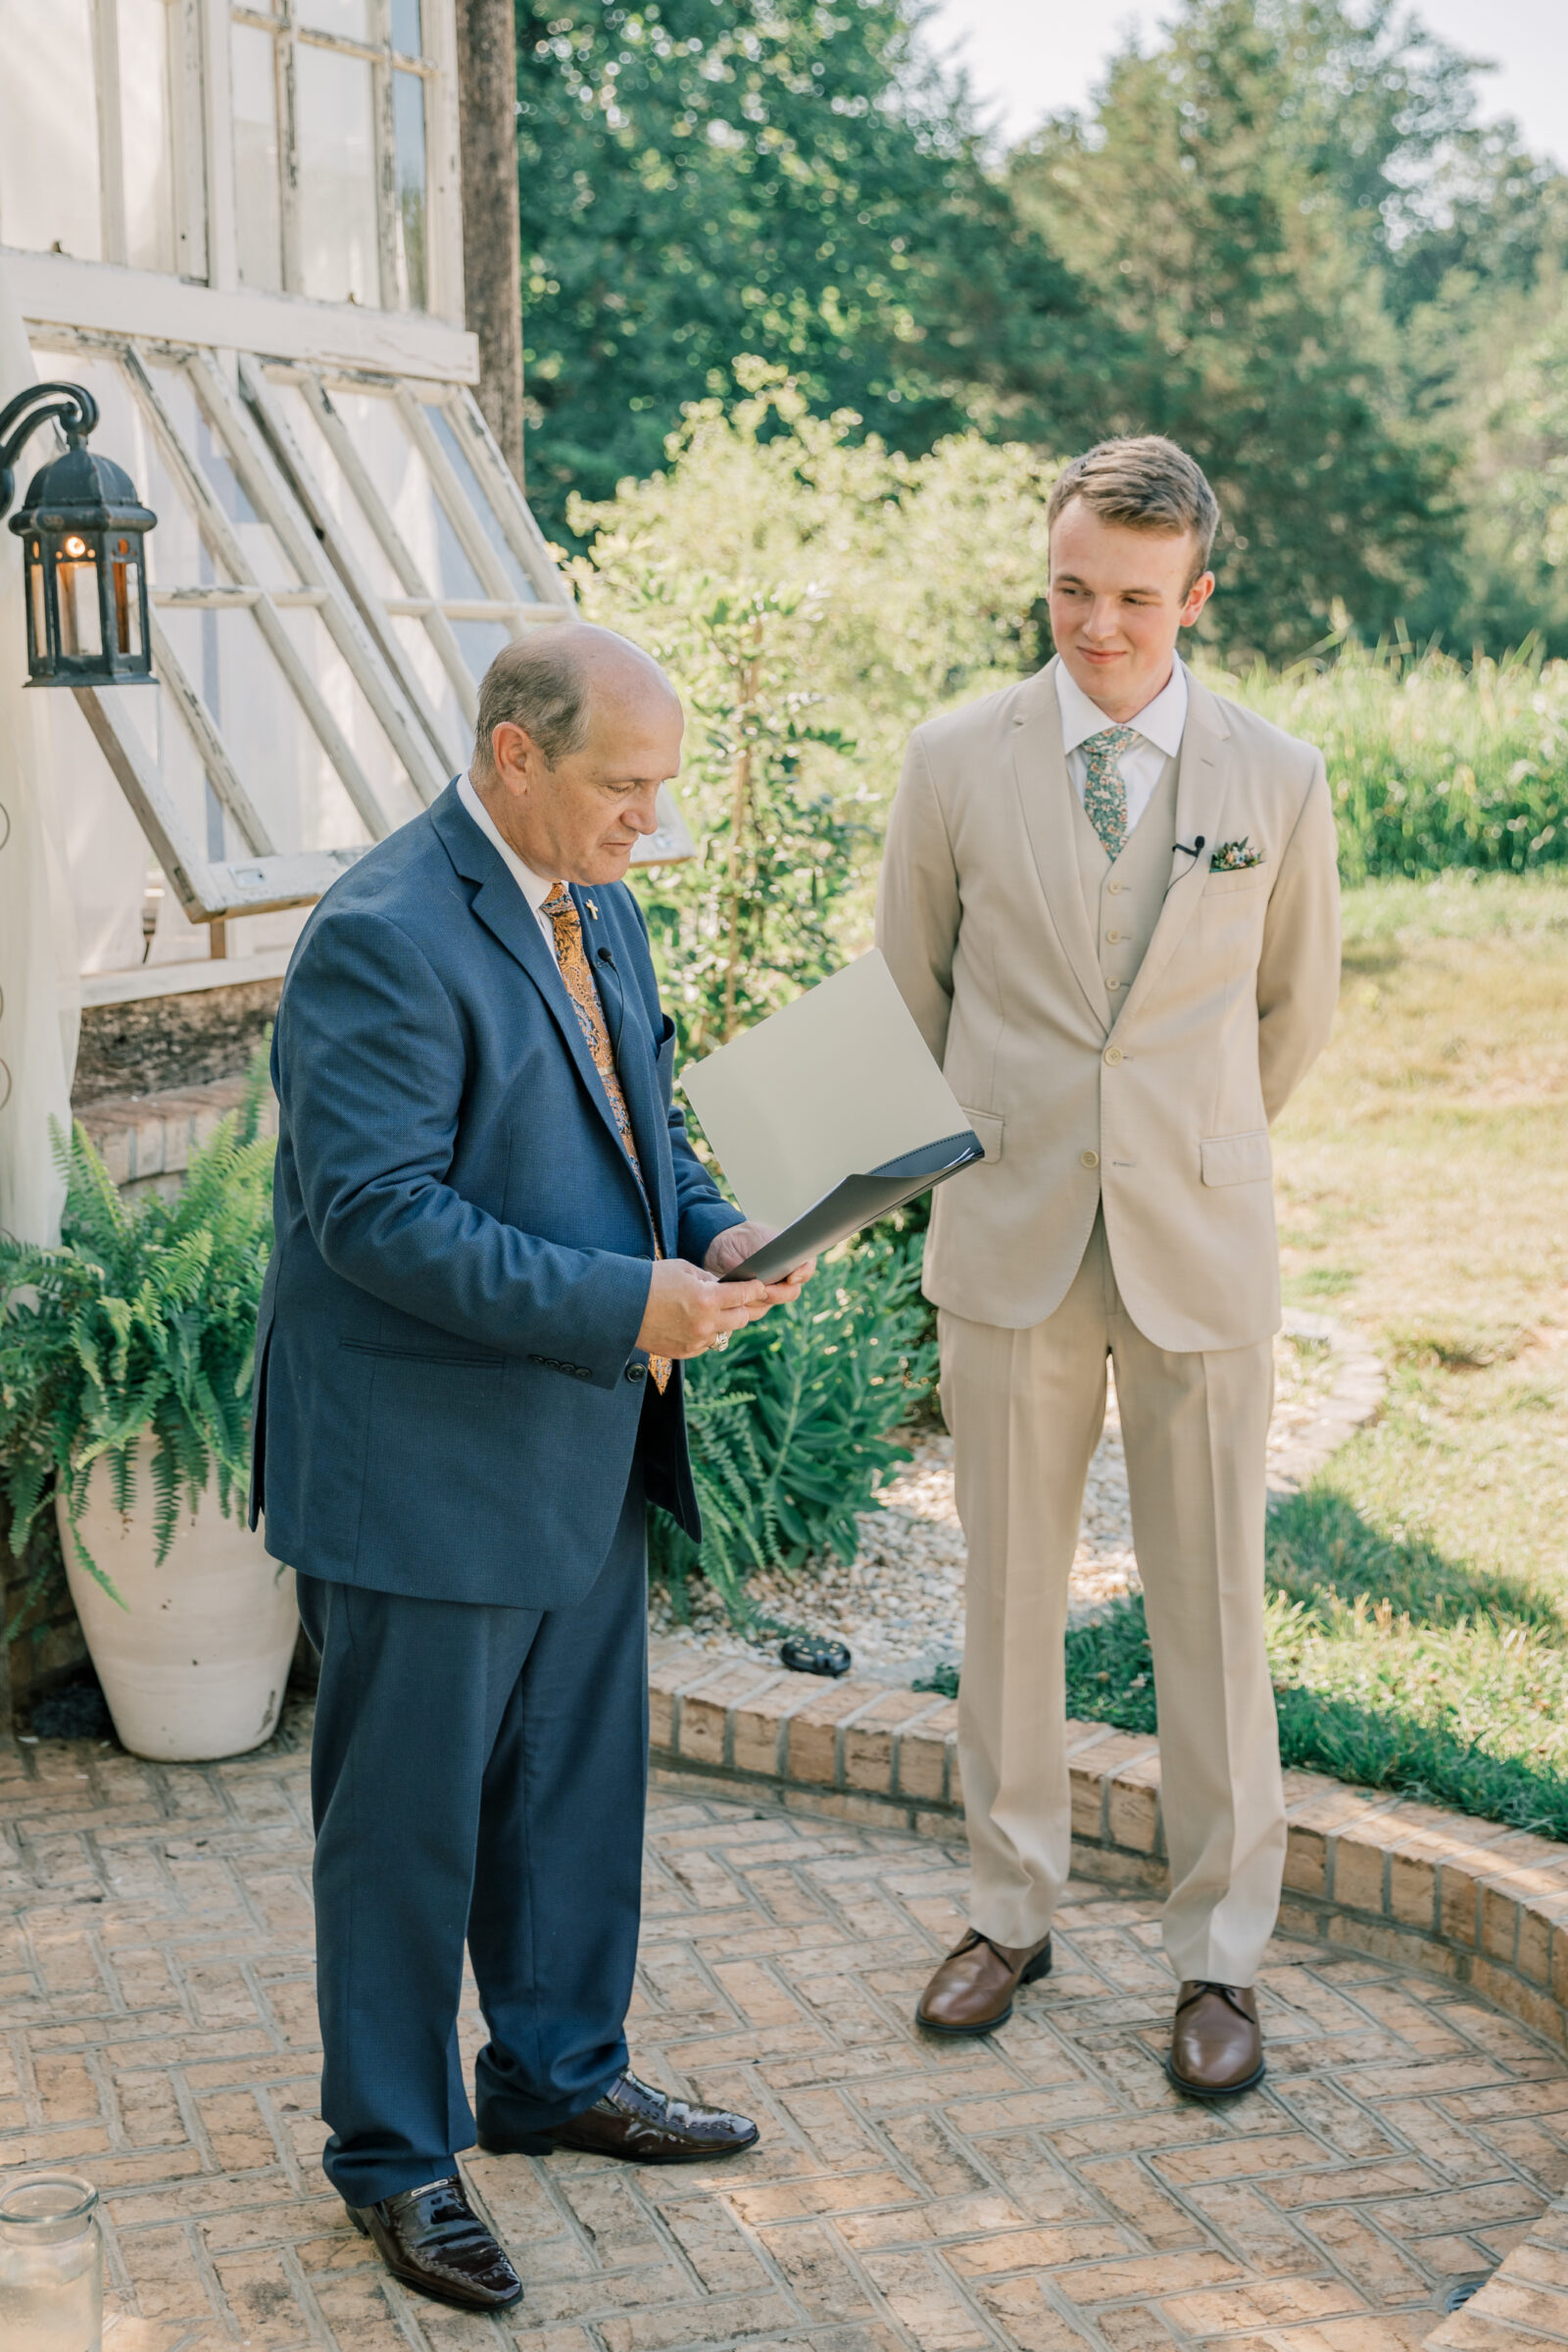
532, 886
1160, 722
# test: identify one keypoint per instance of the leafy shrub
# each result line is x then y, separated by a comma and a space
1432, 765
141, 1325
795, 1424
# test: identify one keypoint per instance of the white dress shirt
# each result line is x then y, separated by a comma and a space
1159, 727
534, 888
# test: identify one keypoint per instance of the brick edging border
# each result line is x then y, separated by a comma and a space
1468, 1899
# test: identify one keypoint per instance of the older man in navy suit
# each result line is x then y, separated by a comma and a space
495, 1246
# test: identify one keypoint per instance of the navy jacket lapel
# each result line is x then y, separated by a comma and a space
634, 1061
504, 912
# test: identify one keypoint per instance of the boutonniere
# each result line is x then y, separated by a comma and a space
1230, 857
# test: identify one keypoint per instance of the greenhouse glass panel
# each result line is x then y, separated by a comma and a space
257, 208
336, 130
147, 133
50, 188
457, 458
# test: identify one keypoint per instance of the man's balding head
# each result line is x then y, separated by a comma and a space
577, 728
548, 682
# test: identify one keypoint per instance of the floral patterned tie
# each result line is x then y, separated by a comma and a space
1105, 793
577, 973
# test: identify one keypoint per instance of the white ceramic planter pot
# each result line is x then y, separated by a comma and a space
194, 1666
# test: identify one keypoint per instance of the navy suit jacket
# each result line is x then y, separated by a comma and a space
448, 1387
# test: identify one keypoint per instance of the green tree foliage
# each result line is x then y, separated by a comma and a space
815, 595
706, 177
1515, 406
1281, 236
1226, 201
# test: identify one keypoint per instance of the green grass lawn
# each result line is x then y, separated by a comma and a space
1419, 1609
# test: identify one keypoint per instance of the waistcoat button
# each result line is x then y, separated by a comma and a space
1088, 1159
1114, 938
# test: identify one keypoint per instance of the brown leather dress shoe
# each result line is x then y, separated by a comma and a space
432, 2240
640, 2125
972, 1990
1216, 2045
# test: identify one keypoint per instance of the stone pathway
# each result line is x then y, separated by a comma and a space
1046, 2191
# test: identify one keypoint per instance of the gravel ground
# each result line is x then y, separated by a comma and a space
900, 1603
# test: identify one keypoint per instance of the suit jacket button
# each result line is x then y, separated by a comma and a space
1113, 1056
1088, 1159
636, 1371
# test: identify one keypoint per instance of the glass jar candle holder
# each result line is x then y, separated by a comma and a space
51, 2265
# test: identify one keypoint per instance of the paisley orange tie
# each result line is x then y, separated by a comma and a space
577, 973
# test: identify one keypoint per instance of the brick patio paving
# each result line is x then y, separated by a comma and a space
1047, 2192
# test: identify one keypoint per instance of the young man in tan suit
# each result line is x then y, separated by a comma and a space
1111, 901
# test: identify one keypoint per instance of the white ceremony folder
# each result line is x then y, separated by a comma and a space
828, 1114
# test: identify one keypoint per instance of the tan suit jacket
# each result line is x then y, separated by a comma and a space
1159, 1105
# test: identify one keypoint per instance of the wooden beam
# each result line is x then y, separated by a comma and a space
52, 289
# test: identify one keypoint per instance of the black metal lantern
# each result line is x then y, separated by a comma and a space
81, 529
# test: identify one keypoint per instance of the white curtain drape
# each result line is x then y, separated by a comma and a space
40, 990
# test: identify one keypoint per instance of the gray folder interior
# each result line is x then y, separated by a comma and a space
858, 1200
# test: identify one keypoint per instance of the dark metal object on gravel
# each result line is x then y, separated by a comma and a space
816, 1653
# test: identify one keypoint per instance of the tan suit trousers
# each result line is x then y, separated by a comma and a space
1026, 1409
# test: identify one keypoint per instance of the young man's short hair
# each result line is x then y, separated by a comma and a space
1146, 484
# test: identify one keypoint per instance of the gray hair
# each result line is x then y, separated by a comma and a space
539, 683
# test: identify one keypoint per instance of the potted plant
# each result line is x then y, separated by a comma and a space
124, 1392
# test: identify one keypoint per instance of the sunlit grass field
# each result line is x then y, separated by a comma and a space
1420, 1589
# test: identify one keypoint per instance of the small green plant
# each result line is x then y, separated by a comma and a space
140, 1327
795, 1425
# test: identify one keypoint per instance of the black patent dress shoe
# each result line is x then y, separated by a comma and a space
640, 2125
432, 2240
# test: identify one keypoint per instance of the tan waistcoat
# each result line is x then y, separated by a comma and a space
1123, 900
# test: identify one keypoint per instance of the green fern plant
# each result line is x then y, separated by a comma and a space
140, 1326
796, 1424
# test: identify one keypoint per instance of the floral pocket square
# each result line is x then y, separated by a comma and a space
1232, 856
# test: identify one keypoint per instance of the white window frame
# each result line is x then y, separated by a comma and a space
201, 130
279, 22
278, 481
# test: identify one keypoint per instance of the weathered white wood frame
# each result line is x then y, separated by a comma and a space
278, 19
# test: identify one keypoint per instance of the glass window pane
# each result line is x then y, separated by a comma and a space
49, 186
350, 19
147, 132
481, 642
331, 480
257, 199
325, 818
446, 433
406, 36
408, 115
336, 130
403, 478
415, 646
296, 790
261, 550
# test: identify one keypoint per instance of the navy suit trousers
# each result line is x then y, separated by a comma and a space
478, 1776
